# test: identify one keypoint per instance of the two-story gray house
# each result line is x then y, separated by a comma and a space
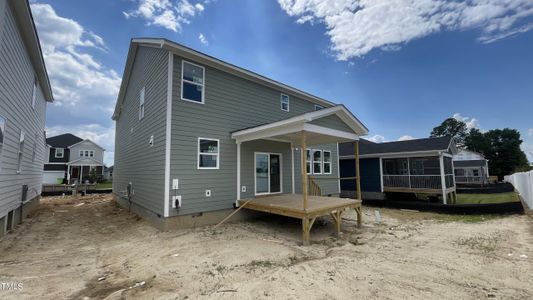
24, 92
70, 159
196, 136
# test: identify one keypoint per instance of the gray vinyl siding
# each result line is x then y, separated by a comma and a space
135, 160
327, 186
333, 122
75, 151
17, 77
231, 104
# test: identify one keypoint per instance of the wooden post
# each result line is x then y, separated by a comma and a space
357, 174
303, 147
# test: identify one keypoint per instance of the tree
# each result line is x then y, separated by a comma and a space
451, 127
477, 141
504, 153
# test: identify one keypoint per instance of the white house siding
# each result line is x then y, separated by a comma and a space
17, 77
85, 145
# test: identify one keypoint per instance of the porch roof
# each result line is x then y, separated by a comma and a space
290, 130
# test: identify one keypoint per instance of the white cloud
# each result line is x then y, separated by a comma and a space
530, 132
377, 138
405, 138
356, 27
470, 122
203, 39
101, 135
165, 13
84, 89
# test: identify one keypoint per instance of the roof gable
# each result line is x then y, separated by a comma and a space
63, 140
86, 141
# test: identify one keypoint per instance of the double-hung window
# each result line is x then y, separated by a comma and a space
317, 161
327, 161
192, 82
60, 153
21, 151
141, 104
284, 102
308, 161
208, 153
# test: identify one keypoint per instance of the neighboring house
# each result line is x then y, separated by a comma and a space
24, 92
108, 173
470, 167
194, 135
419, 166
71, 159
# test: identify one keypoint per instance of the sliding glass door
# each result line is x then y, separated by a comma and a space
267, 173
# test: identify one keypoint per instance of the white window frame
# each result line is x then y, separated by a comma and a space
183, 62
319, 162
318, 107
281, 102
91, 153
20, 155
62, 153
212, 154
324, 162
142, 95
80, 152
34, 94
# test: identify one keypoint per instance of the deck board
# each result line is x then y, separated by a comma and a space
291, 205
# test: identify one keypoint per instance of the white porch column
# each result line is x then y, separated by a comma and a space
443, 179
238, 172
68, 174
292, 168
81, 173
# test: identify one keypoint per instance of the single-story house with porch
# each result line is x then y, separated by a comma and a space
470, 167
197, 137
418, 166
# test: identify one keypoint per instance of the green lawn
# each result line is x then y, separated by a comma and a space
487, 198
104, 185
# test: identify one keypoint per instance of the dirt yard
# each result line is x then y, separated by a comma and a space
91, 249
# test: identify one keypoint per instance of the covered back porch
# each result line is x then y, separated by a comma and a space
299, 133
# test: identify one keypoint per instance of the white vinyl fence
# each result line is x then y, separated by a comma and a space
523, 183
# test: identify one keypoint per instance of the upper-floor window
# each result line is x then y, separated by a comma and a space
318, 107
60, 152
2, 135
21, 151
141, 104
284, 102
192, 82
86, 153
208, 153
34, 94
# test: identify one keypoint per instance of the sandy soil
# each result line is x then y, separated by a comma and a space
89, 248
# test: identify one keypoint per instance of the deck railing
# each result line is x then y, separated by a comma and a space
413, 181
469, 179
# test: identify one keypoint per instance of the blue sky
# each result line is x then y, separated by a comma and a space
402, 69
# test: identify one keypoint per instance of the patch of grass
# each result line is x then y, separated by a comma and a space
466, 218
487, 198
482, 243
104, 185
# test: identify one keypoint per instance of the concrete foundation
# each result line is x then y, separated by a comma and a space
186, 221
9, 221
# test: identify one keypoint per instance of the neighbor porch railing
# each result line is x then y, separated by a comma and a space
413, 181
470, 179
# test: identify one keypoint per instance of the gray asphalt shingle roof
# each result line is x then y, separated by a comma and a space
368, 147
63, 140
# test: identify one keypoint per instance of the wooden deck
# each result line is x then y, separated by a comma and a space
291, 205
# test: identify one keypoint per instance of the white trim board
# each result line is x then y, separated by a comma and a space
168, 137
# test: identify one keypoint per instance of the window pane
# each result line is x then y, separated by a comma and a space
261, 173
327, 168
317, 168
193, 73
208, 146
327, 156
192, 92
208, 161
317, 156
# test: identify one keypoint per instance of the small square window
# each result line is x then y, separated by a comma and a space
192, 82
284, 102
60, 153
208, 153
